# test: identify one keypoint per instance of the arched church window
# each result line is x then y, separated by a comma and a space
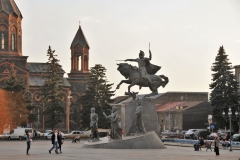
85, 63
13, 41
20, 43
2, 39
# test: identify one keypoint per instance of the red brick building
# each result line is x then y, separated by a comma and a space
32, 72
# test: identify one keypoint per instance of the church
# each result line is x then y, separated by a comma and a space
32, 73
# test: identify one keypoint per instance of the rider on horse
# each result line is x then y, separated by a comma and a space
144, 65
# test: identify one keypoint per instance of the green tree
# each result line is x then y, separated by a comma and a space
17, 105
98, 95
52, 92
13, 83
224, 89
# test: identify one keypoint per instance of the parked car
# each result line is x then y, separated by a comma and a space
236, 137
178, 134
51, 133
189, 133
19, 133
45, 134
4, 136
181, 134
39, 134
221, 135
165, 132
194, 133
224, 134
201, 133
74, 134
102, 132
211, 136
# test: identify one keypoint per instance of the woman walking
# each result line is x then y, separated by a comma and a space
216, 145
60, 141
28, 139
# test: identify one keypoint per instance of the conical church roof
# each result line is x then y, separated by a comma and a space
79, 39
10, 7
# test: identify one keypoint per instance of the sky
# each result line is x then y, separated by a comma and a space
184, 36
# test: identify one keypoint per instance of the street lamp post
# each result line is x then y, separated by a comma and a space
230, 120
69, 104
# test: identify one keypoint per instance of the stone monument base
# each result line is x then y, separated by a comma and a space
150, 140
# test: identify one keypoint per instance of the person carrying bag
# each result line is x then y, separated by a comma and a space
216, 145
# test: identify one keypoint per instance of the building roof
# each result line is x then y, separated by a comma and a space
140, 96
79, 39
237, 66
38, 67
9, 6
119, 99
39, 81
173, 105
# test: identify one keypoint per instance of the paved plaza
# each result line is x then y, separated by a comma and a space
16, 150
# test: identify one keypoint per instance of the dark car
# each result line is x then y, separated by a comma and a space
203, 134
226, 135
221, 135
211, 136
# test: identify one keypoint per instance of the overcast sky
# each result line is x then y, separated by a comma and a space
185, 35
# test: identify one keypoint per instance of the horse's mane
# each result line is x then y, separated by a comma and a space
133, 67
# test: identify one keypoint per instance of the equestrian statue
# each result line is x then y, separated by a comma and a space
143, 75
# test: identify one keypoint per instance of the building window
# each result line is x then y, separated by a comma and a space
2, 41
13, 41
19, 40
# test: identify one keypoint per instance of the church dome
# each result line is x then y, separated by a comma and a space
10, 7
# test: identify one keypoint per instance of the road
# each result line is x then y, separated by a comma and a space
14, 149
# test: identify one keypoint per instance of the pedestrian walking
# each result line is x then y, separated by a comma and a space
60, 141
28, 140
216, 145
54, 140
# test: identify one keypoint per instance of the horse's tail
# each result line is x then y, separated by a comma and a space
166, 80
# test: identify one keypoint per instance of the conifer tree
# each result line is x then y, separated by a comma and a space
51, 92
17, 106
98, 95
224, 89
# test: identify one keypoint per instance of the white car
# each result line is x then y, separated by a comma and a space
20, 133
74, 134
189, 134
4, 136
45, 134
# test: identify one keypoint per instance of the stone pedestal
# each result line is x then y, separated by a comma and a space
128, 117
150, 140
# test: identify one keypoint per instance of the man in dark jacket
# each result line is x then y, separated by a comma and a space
200, 143
54, 140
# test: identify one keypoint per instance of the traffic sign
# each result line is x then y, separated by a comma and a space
211, 126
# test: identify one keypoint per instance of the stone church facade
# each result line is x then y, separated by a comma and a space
32, 72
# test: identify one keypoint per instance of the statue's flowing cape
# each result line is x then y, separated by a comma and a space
151, 68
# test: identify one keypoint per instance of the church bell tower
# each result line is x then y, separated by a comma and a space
79, 53
79, 62
10, 29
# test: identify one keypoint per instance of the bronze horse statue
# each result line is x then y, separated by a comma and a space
132, 74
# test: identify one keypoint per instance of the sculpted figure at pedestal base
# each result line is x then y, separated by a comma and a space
116, 130
94, 124
139, 123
